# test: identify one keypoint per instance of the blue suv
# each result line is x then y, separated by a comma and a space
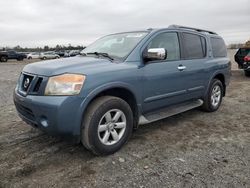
124, 80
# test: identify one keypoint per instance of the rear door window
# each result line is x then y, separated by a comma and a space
218, 47
194, 45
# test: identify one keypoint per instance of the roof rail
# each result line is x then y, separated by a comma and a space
191, 28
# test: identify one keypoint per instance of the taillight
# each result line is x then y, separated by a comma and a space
247, 58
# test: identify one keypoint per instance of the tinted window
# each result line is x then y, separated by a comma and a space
243, 51
218, 47
195, 46
170, 42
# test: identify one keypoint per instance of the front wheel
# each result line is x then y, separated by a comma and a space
4, 59
213, 98
107, 125
247, 73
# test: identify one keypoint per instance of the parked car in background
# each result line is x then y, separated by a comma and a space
246, 65
49, 55
241, 57
15, 55
66, 53
60, 53
33, 55
123, 80
3, 56
73, 53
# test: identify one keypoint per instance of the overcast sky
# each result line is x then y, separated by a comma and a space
34, 23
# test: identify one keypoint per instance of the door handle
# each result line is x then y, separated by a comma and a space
181, 67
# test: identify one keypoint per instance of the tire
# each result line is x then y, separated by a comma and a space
96, 127
3, 59
247, 73
44, 58
29, 57
213, 98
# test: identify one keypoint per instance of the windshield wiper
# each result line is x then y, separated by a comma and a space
101, 54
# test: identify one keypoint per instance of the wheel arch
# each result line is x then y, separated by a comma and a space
118, 90
221, 77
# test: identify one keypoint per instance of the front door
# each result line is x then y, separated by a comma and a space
164, 80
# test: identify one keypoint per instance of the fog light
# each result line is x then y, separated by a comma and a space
44, 122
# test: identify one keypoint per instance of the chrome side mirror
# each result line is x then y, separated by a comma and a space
155, 54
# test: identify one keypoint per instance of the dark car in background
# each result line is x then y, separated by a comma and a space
242, 59
60, 53
246, 65
15, 55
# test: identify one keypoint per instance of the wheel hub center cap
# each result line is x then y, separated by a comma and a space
111, 126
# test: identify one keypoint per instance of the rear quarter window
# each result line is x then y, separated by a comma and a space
218, 47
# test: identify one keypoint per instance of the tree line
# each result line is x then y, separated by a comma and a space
239, 45
45, 48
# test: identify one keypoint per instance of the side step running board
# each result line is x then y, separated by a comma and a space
170, 111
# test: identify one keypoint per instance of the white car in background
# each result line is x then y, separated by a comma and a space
33, 55
49, 55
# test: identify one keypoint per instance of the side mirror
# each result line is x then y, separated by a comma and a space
155, 54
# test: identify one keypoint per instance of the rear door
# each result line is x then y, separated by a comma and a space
194, 59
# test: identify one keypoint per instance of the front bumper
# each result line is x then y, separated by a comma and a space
56, 115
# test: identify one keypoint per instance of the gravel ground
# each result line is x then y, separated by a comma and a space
192, 149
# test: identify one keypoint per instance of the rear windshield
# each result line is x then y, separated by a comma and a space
218, 47
243, 51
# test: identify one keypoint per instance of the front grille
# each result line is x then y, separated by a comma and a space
38, 84
26, 112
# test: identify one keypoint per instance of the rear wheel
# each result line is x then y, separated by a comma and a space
247, 73
107, 125
213, 98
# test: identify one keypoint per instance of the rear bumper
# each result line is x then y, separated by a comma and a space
56, 115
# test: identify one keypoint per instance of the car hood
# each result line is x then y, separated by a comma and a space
78, 64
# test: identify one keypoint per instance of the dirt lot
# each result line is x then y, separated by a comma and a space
193, 149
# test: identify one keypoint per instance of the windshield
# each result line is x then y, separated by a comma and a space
117, 45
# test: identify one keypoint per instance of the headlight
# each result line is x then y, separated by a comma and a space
66, 84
